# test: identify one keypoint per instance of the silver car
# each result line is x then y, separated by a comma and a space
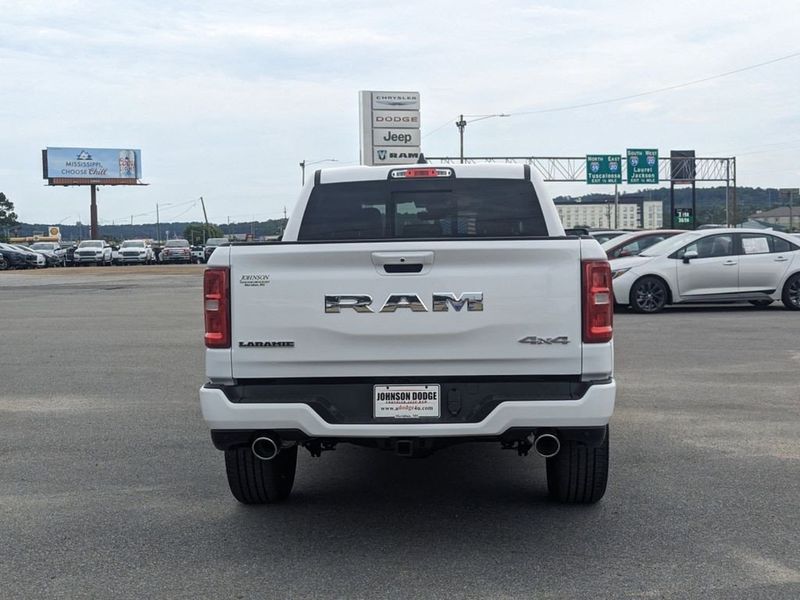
712, 265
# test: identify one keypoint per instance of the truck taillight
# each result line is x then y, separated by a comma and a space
216, 305
598, 302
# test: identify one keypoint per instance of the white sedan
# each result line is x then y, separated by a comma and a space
713, 265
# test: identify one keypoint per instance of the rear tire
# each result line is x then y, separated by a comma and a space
255, 481
791, 292
578, 474
649, 295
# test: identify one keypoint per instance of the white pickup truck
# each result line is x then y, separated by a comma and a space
408, 309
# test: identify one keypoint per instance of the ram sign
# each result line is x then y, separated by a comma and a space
85, 166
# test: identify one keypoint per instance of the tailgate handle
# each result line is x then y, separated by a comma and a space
403, 268
408, 263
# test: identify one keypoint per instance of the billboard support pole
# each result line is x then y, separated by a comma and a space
671, 203
94, 232
727, 192
735, 207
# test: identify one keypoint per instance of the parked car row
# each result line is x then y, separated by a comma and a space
102, 253
16, 256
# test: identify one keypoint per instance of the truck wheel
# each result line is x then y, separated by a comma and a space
255, 481
649, 295
578, 473
791, 292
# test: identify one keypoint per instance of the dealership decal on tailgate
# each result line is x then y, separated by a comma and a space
406, 401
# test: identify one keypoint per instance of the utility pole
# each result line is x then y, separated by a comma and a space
461, 124
205, 218
158, 225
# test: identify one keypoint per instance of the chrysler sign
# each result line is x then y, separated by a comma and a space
389, 126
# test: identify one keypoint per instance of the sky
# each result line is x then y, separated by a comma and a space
225, 99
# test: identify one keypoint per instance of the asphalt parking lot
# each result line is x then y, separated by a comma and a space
110, 486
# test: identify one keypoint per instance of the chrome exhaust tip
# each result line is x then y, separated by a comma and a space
547, 445
265, 448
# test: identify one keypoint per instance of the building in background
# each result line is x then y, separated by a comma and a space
635, 212
779, 217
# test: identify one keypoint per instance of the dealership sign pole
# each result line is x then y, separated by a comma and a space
92, 167
389, 124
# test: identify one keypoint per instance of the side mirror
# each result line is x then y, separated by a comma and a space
687, 256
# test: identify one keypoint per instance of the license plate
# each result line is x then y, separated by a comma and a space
406, 401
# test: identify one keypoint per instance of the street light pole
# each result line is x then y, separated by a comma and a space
303, 164
462, 124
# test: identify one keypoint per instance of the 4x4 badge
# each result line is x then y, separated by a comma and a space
538, 341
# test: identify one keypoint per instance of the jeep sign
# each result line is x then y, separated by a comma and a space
389, 126
395, 137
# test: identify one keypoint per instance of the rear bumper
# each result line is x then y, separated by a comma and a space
593, 409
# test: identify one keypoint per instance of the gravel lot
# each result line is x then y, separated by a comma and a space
110, 487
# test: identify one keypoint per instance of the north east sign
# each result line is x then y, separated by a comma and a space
603, 168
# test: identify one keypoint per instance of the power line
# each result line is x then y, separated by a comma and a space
660, 90
638, 94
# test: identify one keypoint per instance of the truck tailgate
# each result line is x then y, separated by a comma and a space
530, 288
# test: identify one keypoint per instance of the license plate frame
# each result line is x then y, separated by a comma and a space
407, 401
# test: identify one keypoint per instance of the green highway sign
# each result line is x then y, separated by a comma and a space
603, 168
642, 165
683, 216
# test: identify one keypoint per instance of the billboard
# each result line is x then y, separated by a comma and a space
389, 127
81, 166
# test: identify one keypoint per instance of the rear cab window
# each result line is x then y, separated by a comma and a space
440, 208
